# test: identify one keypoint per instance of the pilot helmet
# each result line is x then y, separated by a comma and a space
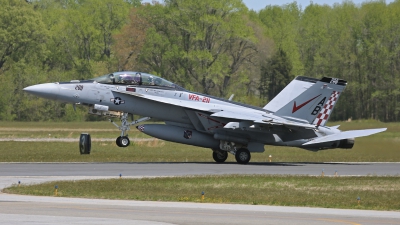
150, 79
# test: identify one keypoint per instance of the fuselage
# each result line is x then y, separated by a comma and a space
92, 93
148, 95
296, 117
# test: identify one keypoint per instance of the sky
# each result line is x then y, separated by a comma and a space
257, 5
260, 4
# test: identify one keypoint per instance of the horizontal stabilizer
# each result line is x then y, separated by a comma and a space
345, 135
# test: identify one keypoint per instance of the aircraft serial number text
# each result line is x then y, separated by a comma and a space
198, 98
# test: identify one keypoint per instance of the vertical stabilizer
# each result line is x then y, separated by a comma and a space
291, 91
326, 111
315, 104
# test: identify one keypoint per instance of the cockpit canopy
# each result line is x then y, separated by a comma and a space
135, 78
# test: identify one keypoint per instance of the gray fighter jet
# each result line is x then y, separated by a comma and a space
295, 117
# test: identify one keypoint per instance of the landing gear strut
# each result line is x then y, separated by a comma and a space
123, 140
240, 151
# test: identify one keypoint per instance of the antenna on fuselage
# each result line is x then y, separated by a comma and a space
230, 98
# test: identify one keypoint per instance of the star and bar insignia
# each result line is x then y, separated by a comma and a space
117, 101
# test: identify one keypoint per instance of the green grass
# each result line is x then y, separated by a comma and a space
380, 193
63, 130
60, 125
376, 193
382, 147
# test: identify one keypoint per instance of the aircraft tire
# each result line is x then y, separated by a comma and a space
242, 156
118, 141
85, 144
124, 141
220, 156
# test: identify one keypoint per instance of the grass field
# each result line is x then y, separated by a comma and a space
377, 193
382, 147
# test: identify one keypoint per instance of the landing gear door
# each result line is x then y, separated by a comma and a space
209, 123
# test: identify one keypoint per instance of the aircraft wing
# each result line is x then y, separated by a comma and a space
345, 135
235, 115
171, 101
261, 119
227, 112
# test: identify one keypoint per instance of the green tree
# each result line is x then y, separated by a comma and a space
22, 33
129, 42
82, 33
275, 75
202, 44
22, 50
282, 25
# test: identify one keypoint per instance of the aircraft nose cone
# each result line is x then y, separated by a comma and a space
48, 90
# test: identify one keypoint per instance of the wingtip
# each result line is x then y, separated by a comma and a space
378, 130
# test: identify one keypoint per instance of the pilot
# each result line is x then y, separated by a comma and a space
112, 78
126, 78
150, 80
137, 79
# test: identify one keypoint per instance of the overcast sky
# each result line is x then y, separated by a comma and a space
260, 4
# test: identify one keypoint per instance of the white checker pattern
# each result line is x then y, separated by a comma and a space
327, 109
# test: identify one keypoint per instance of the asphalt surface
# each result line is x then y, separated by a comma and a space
181, 169
67, 139
15, 209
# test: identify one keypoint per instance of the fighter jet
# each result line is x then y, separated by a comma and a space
295, 117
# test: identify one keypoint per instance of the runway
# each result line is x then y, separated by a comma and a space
182, 169
16, 209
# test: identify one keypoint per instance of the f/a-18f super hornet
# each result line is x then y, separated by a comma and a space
295, 117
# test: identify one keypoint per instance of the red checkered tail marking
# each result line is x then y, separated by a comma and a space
323, 116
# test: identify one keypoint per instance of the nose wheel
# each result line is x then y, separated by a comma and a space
123, 140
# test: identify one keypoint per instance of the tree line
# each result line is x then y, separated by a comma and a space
215, 47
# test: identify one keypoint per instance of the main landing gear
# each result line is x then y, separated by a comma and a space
242, 155
219, 156
123, 140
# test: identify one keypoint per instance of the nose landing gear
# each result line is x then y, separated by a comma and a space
123, 140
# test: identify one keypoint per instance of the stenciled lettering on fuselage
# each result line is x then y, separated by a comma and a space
156, 92
318, 107
199, 98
